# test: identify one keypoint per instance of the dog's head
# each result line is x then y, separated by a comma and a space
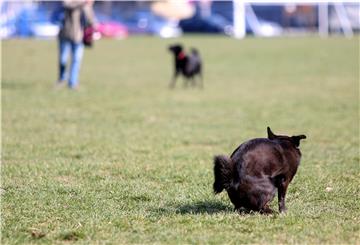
295, 140
176, 48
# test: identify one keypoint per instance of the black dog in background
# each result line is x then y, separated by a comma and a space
189, 65
256, 169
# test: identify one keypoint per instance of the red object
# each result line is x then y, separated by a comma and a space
181, 56
112, 30
88, 36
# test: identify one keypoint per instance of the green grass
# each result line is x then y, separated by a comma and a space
125, 160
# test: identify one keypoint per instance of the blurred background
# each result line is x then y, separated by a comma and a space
126, 160
173, 18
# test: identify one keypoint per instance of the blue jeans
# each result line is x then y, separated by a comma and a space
77, 50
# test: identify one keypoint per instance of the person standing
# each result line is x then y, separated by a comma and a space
70, 38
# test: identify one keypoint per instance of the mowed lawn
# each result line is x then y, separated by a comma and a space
126, 160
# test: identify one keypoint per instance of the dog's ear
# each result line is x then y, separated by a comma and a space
296, 139
271, 135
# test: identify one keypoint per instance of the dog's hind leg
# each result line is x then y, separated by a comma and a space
282, 185
201, 78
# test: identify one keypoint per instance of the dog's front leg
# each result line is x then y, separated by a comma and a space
173, 80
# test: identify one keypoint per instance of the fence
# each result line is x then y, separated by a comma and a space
118, 19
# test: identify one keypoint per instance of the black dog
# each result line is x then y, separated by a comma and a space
189, 65
256, 169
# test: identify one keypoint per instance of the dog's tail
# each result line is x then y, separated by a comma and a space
223, 173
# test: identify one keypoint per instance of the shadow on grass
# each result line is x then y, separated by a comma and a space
204, 207
201, 207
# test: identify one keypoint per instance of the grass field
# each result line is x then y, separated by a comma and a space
126, 160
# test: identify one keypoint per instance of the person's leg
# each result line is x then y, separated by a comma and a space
77, 53
64, 49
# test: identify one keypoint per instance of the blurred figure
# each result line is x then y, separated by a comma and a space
77, 14
303, 16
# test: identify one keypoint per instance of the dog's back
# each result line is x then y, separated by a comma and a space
260, 157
